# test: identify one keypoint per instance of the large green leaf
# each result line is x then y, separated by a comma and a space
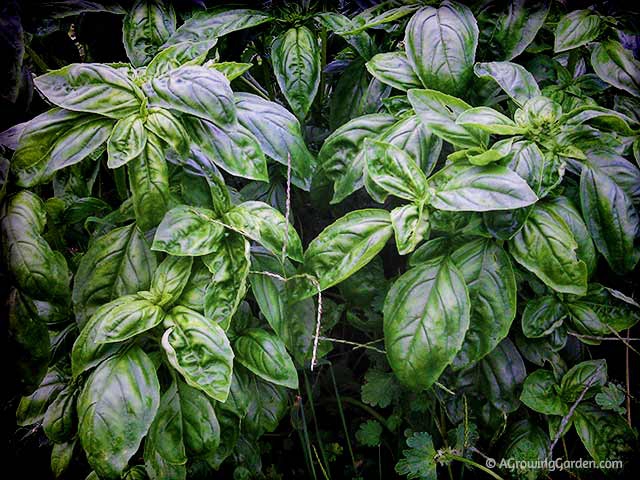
439, 111
611, 218
502, 374
542, 316
169, 128
146, 27
127, 140
426, 315
149, 184
199, 349
410, 226
38, 271
488, 274
170, 278
267, 405
605, 435
589, 376
267, 226
490, 120
347, 245
514, 79
265, 355
516, 29
124, 383
575, 29
211, 24
60, 419
441, 46
617, 66
188, 231
93, 88
605, 308
295, 55
124, 318
279, 134
539, 393
32, 409
229, 266
118, 263
465, 187
394, 69
194, 90
545, 246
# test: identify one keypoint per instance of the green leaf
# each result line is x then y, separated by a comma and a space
295, 55
265, 355
526, 441
127, 140
546, 247
125, 318
32, 409
177, 55
194, 291
589, 375
426, 314
438, 112
575, 29
196, 91
441, 46
166, 126
234, 150
611, 398
516, 30
267, 226
393, 171
617, 66
488, 274
607, 308
465, 187
60, 419
343, 26
38, 271
267, 405
211, 24
170, 278
231, 70
394, 69
418, 460
542, 316
369, 433
188, 231
91, 87
116, 264
502, 374
199, 349
347, 245
605, 435
514, 79
229, 266
539, 393
611, 218
146, 27
124, 383
410, 226
61, 455
489, 120
279, 134
149, 184
380, 388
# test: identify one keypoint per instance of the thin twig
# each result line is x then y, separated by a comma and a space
627, 378
287, 208
356, 344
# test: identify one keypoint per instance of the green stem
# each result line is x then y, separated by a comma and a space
367, 409
342, 417
37, 59
475, 465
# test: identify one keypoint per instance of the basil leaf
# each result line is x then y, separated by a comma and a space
539, 393
170, 278
116, 264
503, 372
394, 69
177, 55
200, 351
347, 245
38, 271
207, 25
410, 226
461, 187
441, 46
393, 171
575, 29
145, 28
438, 112
265, 355
32, 409
267, 226
196, 91
166, 126
514, 79
585, 375
149, 184
611, 218
488, 275
542, 316
516, 30
127, 140
489, 120
59, 420
605, 435
343, 26
295, 55
91, 87
124, 383
617, 66
125, 318
267, 405
193, 293
608, 310
279, 134
546, 247
188, 231
61, 456
419, 345
229, 266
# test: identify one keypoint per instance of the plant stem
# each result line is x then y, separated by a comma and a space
342, 417
367, 409
475, 465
